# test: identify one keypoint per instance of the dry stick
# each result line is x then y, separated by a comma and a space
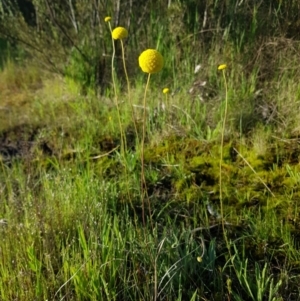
64, 284
62, 29
143, 179
104, 155
186, 114
262, 181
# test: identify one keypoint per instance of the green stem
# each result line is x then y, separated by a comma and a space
221, 161
220, 178
128, 89
143, 179
123, 138
222, 146
125, 69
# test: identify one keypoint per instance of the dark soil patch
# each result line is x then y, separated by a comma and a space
20, 142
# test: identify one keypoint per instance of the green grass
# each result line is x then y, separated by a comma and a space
71, 220
74, 227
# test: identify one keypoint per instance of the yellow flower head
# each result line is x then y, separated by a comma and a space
166, 90
151, 61
119, 33
222, 67
107, 19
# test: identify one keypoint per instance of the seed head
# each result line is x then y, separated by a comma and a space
222, 67
151, 61
119, 33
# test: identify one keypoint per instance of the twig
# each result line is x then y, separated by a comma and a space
262, 181
106, 154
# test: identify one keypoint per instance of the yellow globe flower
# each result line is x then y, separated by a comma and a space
151, 61
222, 67
166, 90
119, 33
107, 19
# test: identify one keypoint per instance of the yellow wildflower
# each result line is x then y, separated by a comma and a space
166, 90
107, 19
119, 33
222, 67
151, 61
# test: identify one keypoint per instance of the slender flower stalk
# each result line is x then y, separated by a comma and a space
115, 34
150, 61
222, 68
120, 33
128, 89
143, 179
125, 69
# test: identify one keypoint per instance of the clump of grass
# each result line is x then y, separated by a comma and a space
69, 215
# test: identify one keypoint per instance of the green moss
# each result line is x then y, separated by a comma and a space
180, 185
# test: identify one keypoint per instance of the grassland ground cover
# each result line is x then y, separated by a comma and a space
76, 220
